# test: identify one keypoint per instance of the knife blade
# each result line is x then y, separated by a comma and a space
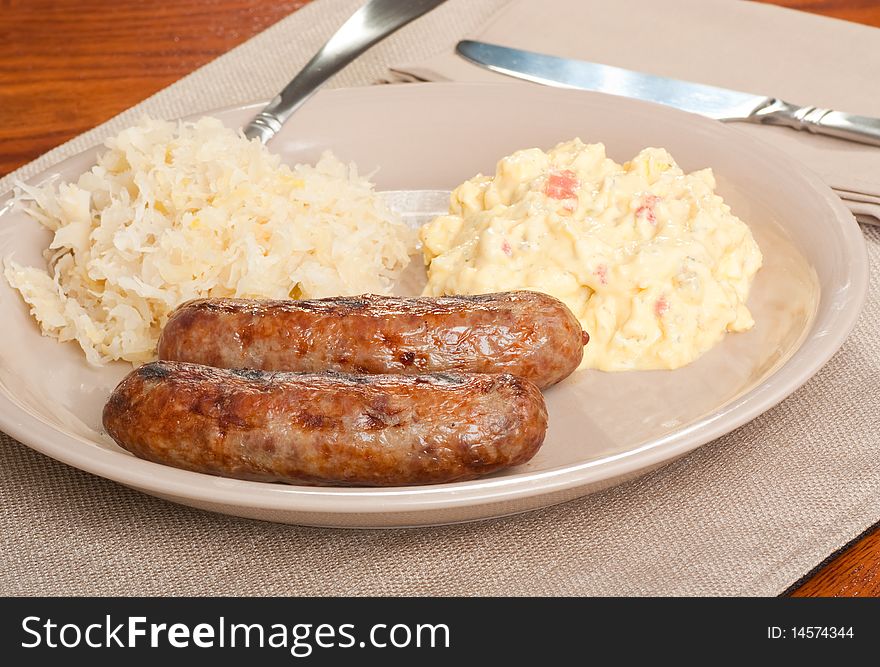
712, 101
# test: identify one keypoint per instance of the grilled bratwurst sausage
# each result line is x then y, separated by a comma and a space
327, 428
527, 334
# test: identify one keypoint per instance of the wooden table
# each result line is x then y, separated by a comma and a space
68, 65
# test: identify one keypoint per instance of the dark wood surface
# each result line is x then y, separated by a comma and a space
68, 65
859, 11
853, 573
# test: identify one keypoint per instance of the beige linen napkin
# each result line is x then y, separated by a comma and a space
802, 58
748, 514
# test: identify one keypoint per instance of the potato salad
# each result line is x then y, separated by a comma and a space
650, 259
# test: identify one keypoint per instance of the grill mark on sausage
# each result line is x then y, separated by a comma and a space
371, 304
251, 374
153, 371
446, 378
371, 421
311, 420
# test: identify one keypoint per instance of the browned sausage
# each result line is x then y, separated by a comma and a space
528, 334
327, 428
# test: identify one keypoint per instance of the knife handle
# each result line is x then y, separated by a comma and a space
863, 129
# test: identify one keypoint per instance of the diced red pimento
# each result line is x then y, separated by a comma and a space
646, 210
505, 248
562, 185
661, 306
602, 273
647, 214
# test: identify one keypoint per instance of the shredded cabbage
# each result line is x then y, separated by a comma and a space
177, 211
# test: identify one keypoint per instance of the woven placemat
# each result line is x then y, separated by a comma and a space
745, 515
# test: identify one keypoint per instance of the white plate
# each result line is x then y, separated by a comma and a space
604, 428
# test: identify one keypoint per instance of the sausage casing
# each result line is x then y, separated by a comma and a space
326, 428
527, 334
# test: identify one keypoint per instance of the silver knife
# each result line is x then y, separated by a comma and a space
718, 103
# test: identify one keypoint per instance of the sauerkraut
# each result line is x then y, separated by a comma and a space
176, 211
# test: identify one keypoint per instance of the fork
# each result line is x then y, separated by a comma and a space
372, 23
369, 25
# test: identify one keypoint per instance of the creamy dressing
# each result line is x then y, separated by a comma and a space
651, 261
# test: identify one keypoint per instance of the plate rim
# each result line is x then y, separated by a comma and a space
121, 467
